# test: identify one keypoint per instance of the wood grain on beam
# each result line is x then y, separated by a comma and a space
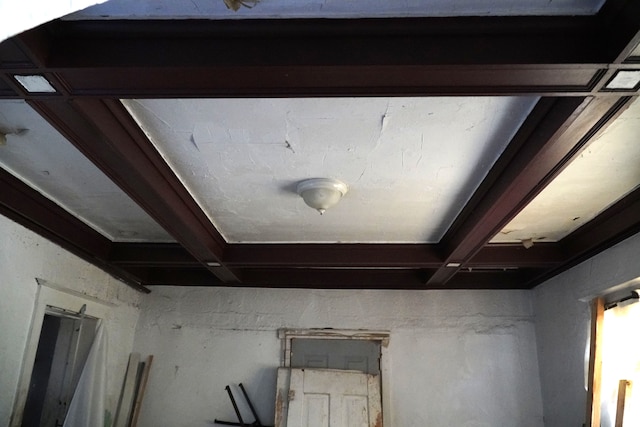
106, 134
32, 210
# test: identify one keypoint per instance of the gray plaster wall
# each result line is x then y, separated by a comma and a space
25, 256
457, 358
562, 327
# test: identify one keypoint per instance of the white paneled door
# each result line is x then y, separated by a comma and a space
330, 398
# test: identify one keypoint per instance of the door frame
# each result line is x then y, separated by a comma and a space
383, 337
49, 294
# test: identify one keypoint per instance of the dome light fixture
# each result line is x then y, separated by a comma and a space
321, 193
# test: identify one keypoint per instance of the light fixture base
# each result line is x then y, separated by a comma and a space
322, 193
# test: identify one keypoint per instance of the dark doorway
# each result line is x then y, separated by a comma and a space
63, 347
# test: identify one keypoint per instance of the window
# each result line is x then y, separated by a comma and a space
614, 363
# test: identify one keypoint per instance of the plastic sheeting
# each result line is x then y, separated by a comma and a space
87, 406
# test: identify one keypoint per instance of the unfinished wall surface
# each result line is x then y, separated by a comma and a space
562, 327
25, 256
457, 358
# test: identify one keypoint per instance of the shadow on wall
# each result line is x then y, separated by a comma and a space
261, 392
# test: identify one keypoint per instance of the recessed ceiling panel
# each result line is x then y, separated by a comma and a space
42, 158
410, 163
276, 9
606, 171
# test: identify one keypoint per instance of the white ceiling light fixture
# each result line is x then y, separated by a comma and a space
322, 193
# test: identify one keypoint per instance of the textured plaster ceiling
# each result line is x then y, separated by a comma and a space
46, 161
411, 163
216, 9
607, 169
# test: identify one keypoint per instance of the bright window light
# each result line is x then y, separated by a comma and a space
621, 361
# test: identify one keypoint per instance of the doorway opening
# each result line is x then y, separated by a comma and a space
63, 346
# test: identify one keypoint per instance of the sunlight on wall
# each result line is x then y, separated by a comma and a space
621, 360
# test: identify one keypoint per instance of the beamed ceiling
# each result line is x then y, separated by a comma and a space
487, 148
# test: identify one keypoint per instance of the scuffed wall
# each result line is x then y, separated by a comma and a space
562, 327
457, 358
25, 256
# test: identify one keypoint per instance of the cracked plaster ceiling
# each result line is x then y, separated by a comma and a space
411, 163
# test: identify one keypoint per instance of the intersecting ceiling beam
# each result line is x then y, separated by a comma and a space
106, 134
551, 137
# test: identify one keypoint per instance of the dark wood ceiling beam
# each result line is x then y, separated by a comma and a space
620, 21
493, 279
407, 56
515, 255
151, 254
194, 276
332, 255
551, 137
354, 256
385, 41
613, 225
376, 279
32, 210
318, 278
106, 134
331, 80
333, 278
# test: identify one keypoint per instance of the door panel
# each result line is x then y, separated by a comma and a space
332, 398
316, 410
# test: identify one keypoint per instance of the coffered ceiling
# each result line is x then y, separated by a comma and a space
490, 146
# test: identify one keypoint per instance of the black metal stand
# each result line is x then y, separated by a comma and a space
241, 422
